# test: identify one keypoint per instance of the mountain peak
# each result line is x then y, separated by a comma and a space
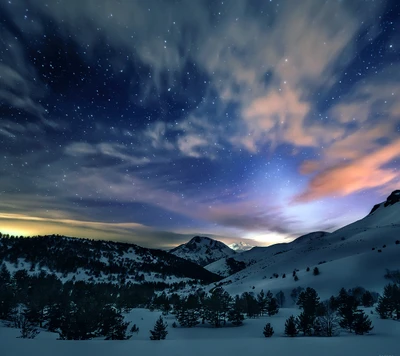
202, 250
392, 199
240, 246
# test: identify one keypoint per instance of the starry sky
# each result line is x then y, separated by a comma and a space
153, 121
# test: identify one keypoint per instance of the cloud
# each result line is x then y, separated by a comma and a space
359, 158
363, 173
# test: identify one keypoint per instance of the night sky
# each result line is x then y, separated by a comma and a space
152, 121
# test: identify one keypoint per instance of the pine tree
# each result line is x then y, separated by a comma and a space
235, 314
290, 327
268, 330
367, 299
316, 271
188, 311
217, 306
280, 297
362, 323
389, 304
272, 307
347, 311
112, 324
7, 300
262, 302
250, 305
305, 323
160, 330
309, 302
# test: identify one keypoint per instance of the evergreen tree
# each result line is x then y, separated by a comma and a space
272, 307
160, 330
112, 324
262, 302
362, 323
367, 299
188, 311
250, 305
280, 297
347, 311
268, 330
309, 302
316, 271
389, 304
290, 327
217, 306
7, 300
235, 314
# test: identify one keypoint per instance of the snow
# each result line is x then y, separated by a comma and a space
247, 339
346, 255
202, 250
240, 246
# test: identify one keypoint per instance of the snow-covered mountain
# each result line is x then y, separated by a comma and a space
357, 254
98, 261
202, 250
240, 246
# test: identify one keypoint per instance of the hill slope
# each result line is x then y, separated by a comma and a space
98, 261
202, 250
357, 254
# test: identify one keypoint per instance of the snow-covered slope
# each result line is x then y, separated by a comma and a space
198, 341
244, 340
357, 254
98, 261
202, 250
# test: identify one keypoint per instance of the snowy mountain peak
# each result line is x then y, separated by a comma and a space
240, 246
202, 250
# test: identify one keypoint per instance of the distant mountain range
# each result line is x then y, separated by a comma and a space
361, 253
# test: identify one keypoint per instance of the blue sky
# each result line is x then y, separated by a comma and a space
153, 121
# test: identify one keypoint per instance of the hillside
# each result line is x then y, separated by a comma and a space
98, 261
202, 250
359, 253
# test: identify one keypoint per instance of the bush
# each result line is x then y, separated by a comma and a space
296, 278
268, 330
308, 269
28, 330
316, 271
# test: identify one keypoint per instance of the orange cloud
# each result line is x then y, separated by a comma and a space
363, 173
